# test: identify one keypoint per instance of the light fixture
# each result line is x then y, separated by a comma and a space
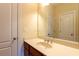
44, 4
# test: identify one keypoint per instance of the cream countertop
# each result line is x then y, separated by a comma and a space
56, 50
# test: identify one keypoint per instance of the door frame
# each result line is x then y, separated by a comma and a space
14, 29
20, 30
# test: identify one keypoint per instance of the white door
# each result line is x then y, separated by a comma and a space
66, 23
8, 29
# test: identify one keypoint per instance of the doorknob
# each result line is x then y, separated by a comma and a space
14, 38
72, 34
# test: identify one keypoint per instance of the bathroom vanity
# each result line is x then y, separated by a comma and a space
34, 47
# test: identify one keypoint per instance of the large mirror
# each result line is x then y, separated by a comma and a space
59, 21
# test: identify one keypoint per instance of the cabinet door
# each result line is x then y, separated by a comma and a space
26, 49
34, 52
26, 52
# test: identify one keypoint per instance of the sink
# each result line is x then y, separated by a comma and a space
44, 44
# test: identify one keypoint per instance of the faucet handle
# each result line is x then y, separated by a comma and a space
51, 41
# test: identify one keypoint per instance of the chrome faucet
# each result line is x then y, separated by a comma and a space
48, 41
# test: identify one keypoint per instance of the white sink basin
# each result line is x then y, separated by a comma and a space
44, 44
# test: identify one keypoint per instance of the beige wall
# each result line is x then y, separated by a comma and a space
43, 20
29, 17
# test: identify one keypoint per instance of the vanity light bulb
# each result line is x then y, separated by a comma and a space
44, 4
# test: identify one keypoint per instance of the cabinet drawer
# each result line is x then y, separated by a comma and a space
34, 52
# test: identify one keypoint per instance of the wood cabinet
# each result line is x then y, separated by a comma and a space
31, 51
26, 49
